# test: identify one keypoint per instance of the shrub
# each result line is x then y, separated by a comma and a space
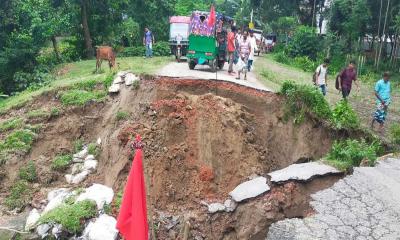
121, 115
304, 63
348, 153
20, 140
11, 124
344, 117
394, 132
61, 162
80, 97
302, 99
19, 195
108, 80
38, 114
70, 216
78, 145
28, 173
305, 42
93, 149
281, 57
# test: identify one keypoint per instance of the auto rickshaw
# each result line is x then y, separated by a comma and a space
179, 36
207, 44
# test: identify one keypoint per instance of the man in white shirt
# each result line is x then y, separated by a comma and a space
254, 48
321, 76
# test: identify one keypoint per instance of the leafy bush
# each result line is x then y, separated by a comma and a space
70, 216
93, 149
19, 140
394, 132
344, 117
121, 115
38, 114
347, 153
281, 57
302, 99
161, 49
304, 63
28, 173
61, 162
19, 195
11, 124
305, 42
80, 97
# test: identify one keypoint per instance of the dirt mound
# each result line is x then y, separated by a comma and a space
202, 138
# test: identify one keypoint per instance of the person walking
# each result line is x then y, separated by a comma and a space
231, 49
346, 79
321, 76
244, 53
254, 48
383, 99
148, 41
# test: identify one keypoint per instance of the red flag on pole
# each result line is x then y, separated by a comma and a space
211, 18
132, 217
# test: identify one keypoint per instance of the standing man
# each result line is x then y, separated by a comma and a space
321, 76
244, 53
231, 49
254, 48
148, 41
383, 99
346, 79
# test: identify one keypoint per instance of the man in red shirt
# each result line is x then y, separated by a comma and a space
231, 48
346, 79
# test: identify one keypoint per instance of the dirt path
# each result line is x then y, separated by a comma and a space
273, 74
181, 69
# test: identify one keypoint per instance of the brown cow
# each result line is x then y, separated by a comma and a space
105, 53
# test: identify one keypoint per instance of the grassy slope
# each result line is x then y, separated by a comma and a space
272, 74
82, 71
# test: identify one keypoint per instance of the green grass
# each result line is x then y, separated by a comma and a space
28, 172
394, 132
344, 117
38, 114
11, 124
55, 112
71, 216
61, 162
76, 97
78, 145
93, 149
83, 71
19, 195
122, 115
19, 140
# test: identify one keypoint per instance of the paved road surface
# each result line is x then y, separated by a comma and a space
181, 69
362, 206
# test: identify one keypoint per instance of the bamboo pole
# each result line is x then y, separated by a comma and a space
384, 30
379, 31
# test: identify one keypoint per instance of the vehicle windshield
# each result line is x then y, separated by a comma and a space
179, 28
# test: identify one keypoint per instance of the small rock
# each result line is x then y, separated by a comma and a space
118, 80
114, 88
32, 219
90, 165
98, 141
151, 112
82, 154
76, 168
216, 207
56, 193
230, 205
57, 230
103, 228
90, 157
56, 198
77, 160
78, 178
42, 230
130, 78
69, 178
250, 189
188, 107
99, 193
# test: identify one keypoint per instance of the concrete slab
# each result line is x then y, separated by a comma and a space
250, 189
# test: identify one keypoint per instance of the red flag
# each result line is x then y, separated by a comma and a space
132, 217
211, 18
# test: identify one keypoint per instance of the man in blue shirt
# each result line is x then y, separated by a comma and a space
383, 99
148, 41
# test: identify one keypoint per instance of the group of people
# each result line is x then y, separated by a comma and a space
344, 82
241, 49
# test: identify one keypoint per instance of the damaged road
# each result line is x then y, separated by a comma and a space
362, 206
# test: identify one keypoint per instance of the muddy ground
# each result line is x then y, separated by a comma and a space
202, 138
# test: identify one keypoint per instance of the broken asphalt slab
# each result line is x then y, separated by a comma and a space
364, 206
302, 172
250, 189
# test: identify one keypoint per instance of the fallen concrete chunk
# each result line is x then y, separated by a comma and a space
302, 172
216, 207
42, 230
121, 73
130, 78
57, 231
118, 80
76, 168
77, 160
101, 229
98, 141
90, 165
78, 178
250, 189
82, 154
230, 205
56, 197
69, 178
32, 219
99, 193
90, 157
114, 88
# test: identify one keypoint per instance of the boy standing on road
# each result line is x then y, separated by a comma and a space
231, 48
148, 41
321, 76
383, 99
346, 79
